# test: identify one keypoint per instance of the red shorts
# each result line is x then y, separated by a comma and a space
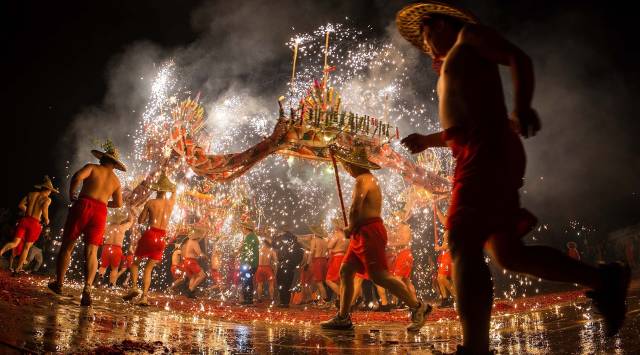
191, 267
28, 229
333, 271
127, 261
445, 265
88, 217
215, 276
176, 271
151, 245
305, 276
490, 167
403, 264
111, 255
366, 250
319, 269
264, 273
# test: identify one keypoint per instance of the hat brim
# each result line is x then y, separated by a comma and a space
409, 20
42, 186
119, 165
156, 187
369, 165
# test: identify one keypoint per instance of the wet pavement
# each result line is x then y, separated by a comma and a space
33, 320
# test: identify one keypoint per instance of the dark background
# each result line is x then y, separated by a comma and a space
56, 57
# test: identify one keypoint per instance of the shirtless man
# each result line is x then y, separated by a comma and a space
337, 246
179, 277
444, 263
34, 206
214, 268
490, 167
318, 263
191, 253
266, 267
112, 248
366, 251
88, 216
401, 244
155, 214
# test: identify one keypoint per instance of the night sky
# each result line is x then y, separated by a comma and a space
57, 57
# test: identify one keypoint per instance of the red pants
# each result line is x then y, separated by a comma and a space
264, 273
216, 277
366, 250
490, 165
445, 265
88, 217
176, 271
111, 255
127, 261
403, 264
319, 269
151, 245
28, 229
191, 266
333, 271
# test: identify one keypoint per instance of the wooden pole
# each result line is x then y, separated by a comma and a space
335, 170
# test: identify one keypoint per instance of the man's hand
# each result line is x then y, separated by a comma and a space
73, 196
415, 143
527, 120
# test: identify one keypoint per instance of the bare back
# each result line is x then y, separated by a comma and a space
101, 183
319, 248
36, 204
470, 89
115, 233
157, 212
338, 243
266, 256
192, 249
367, 199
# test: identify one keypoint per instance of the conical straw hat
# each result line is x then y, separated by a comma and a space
46, 184
357, 155
163, 184
111, 152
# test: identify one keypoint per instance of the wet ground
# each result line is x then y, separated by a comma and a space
33, 320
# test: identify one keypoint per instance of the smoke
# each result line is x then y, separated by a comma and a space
579, 166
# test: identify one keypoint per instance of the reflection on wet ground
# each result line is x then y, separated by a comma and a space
34, 320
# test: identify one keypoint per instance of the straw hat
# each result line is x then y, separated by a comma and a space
198, 230
46, 184
117, 216
111, 152
163, 184
356, 156
409, 19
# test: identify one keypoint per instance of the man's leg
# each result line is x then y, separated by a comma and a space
146, 280
12, 244
197, 280
442, 286
64, 259
475, 290
23, 256
347, 274
395, 286
333, 286
91, 252
272, 289
542, 261
321, 290
382, 294
259, 290
113, 275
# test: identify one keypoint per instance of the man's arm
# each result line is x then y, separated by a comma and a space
22, 206
77, 178
144, 215
416, 142
45, 211
312, 249
493, 47
116, 198
441, 217
332, 242
197, 250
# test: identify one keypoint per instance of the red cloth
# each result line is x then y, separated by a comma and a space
403, 263
573, 253
127, 261
111, 255
191, 267
490, 165
28, 229
215, 276
88, 217
264, 273
176, 271
445, 265
333, 270
305, 276
319, 269
366, 250
151, 245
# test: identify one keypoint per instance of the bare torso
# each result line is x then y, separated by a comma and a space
338, 242
176, 257
192, 249
366, 185
215, 260
319, 247
114, 233
101, 184
36, 203
266, 256
470, 90
158, 212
